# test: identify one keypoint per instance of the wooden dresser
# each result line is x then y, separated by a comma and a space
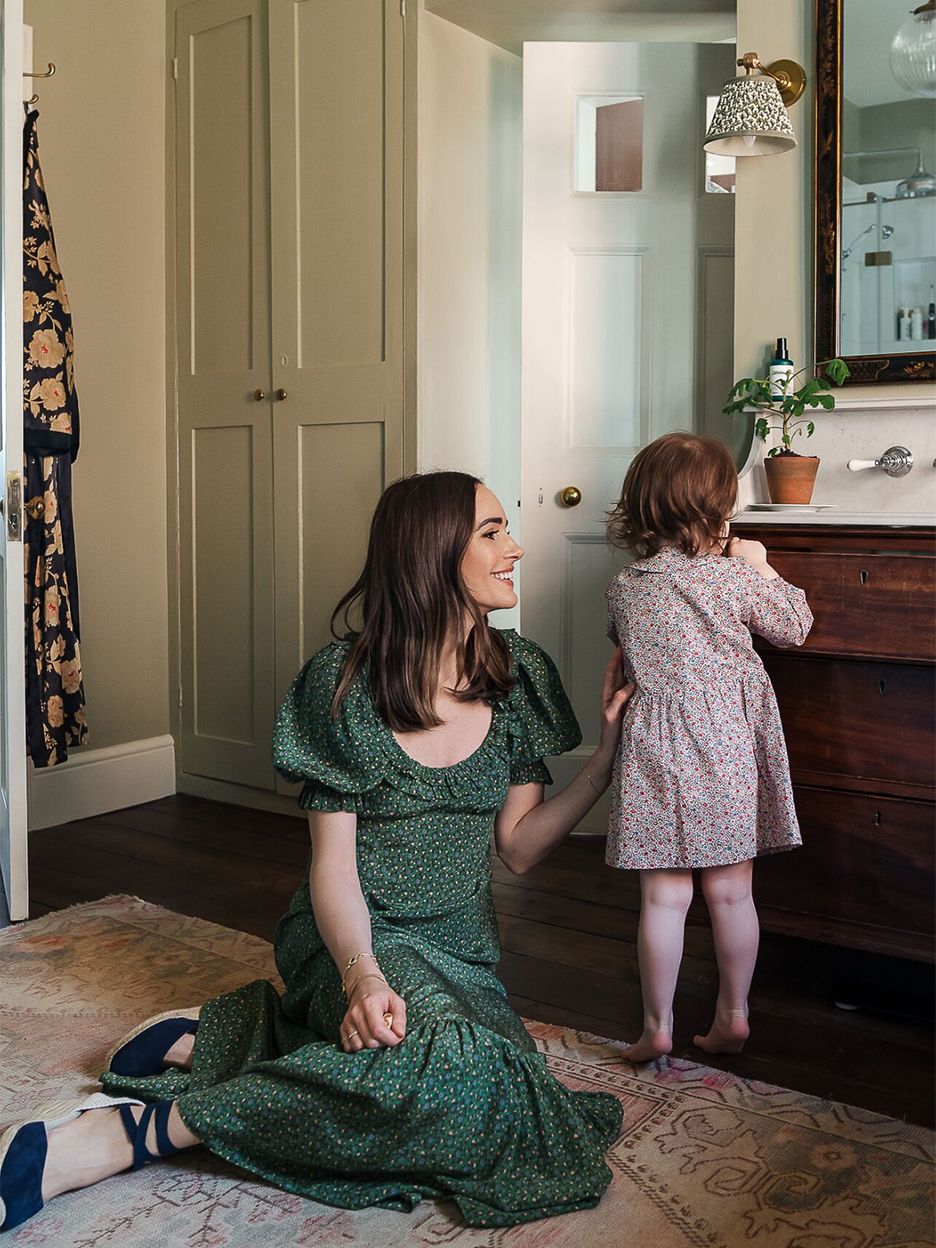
859, 713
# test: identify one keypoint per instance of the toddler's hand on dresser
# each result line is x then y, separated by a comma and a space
754, 553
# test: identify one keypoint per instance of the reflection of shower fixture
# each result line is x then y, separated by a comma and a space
848, 250
886, 232
919, 184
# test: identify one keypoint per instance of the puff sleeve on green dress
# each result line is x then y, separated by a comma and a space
541, 721
327, 755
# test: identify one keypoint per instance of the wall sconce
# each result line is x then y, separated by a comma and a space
750, 118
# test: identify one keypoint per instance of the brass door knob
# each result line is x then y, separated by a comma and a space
281, 394
259, 395
571, 496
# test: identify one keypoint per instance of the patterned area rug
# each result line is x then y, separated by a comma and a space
705, 1161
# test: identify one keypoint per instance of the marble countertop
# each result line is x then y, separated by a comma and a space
877, 519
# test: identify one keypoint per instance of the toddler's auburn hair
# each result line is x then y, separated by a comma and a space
678, 491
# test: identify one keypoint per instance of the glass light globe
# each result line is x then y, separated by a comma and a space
913, 52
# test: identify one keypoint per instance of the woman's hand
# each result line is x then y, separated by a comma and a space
615, 695
376, 1017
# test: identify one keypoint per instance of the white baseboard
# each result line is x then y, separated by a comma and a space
93, 782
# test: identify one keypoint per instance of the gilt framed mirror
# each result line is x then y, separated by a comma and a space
875, 180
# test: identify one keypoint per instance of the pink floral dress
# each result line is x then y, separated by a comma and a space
701, 777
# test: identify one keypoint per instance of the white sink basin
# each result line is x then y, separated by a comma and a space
880, 519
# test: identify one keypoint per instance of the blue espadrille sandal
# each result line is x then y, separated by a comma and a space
24, 1147
141, 1053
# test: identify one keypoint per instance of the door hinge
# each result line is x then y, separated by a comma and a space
403, 8
175, 67
13, 506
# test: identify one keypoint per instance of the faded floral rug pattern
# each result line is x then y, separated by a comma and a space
705, 1161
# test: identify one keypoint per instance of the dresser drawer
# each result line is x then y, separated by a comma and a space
874, 605
864, 860
871, 722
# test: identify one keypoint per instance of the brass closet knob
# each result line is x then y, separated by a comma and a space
571, 496
259, 395
281, 394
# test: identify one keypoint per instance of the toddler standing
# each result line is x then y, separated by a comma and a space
701, 777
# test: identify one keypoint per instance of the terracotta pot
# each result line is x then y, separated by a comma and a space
790, 478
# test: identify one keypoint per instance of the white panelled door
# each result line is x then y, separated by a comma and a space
12, 627
609, 322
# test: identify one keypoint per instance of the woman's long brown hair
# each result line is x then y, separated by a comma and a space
412, 600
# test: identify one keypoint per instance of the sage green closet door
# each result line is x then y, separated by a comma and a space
223, 352
336, 128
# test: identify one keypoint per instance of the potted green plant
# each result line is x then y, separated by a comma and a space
790, 476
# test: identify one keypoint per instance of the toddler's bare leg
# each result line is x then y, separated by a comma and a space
664, 899
727, 892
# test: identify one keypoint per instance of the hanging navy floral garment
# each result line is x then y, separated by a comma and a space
55, 716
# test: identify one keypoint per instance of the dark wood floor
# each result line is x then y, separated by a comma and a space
568, 932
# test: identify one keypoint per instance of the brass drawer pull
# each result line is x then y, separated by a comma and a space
881, 686
863, 577
877, 819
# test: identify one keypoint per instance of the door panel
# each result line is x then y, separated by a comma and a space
610, 327
225, 436
334, 535
13, 856
337, 173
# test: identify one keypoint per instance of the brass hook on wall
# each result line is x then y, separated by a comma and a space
34, 99
48, 74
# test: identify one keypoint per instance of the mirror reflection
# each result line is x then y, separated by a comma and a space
888, 224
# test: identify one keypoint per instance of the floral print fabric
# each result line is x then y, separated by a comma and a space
50, 402
701, 777
55, 714
465, 1107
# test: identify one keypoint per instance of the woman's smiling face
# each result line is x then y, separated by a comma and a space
488, 562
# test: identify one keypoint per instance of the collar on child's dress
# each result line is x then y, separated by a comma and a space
659, 561
654, 563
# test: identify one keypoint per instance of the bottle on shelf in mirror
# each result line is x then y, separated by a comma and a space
916, 324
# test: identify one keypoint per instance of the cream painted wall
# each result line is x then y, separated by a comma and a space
102, 145
773, 292
469, 189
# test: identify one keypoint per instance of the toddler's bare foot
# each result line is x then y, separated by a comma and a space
651, 1045
181, 1052
727, 1034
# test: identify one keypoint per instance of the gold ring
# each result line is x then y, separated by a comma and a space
352, 1034
388, 1019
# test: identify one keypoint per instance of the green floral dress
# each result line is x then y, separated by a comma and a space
464, 1108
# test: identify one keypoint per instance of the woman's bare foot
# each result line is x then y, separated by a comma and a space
727, 1034
181, 1052
95, 1146
653, 1043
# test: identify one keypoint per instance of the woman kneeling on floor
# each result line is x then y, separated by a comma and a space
393, 1068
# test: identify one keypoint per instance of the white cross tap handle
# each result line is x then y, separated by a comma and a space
896, 462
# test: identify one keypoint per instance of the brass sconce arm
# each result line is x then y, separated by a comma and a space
789, 76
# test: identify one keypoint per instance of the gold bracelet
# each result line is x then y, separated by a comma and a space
355, 957
592, 783
372, 975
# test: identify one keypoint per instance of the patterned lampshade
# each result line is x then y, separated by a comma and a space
750, 120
